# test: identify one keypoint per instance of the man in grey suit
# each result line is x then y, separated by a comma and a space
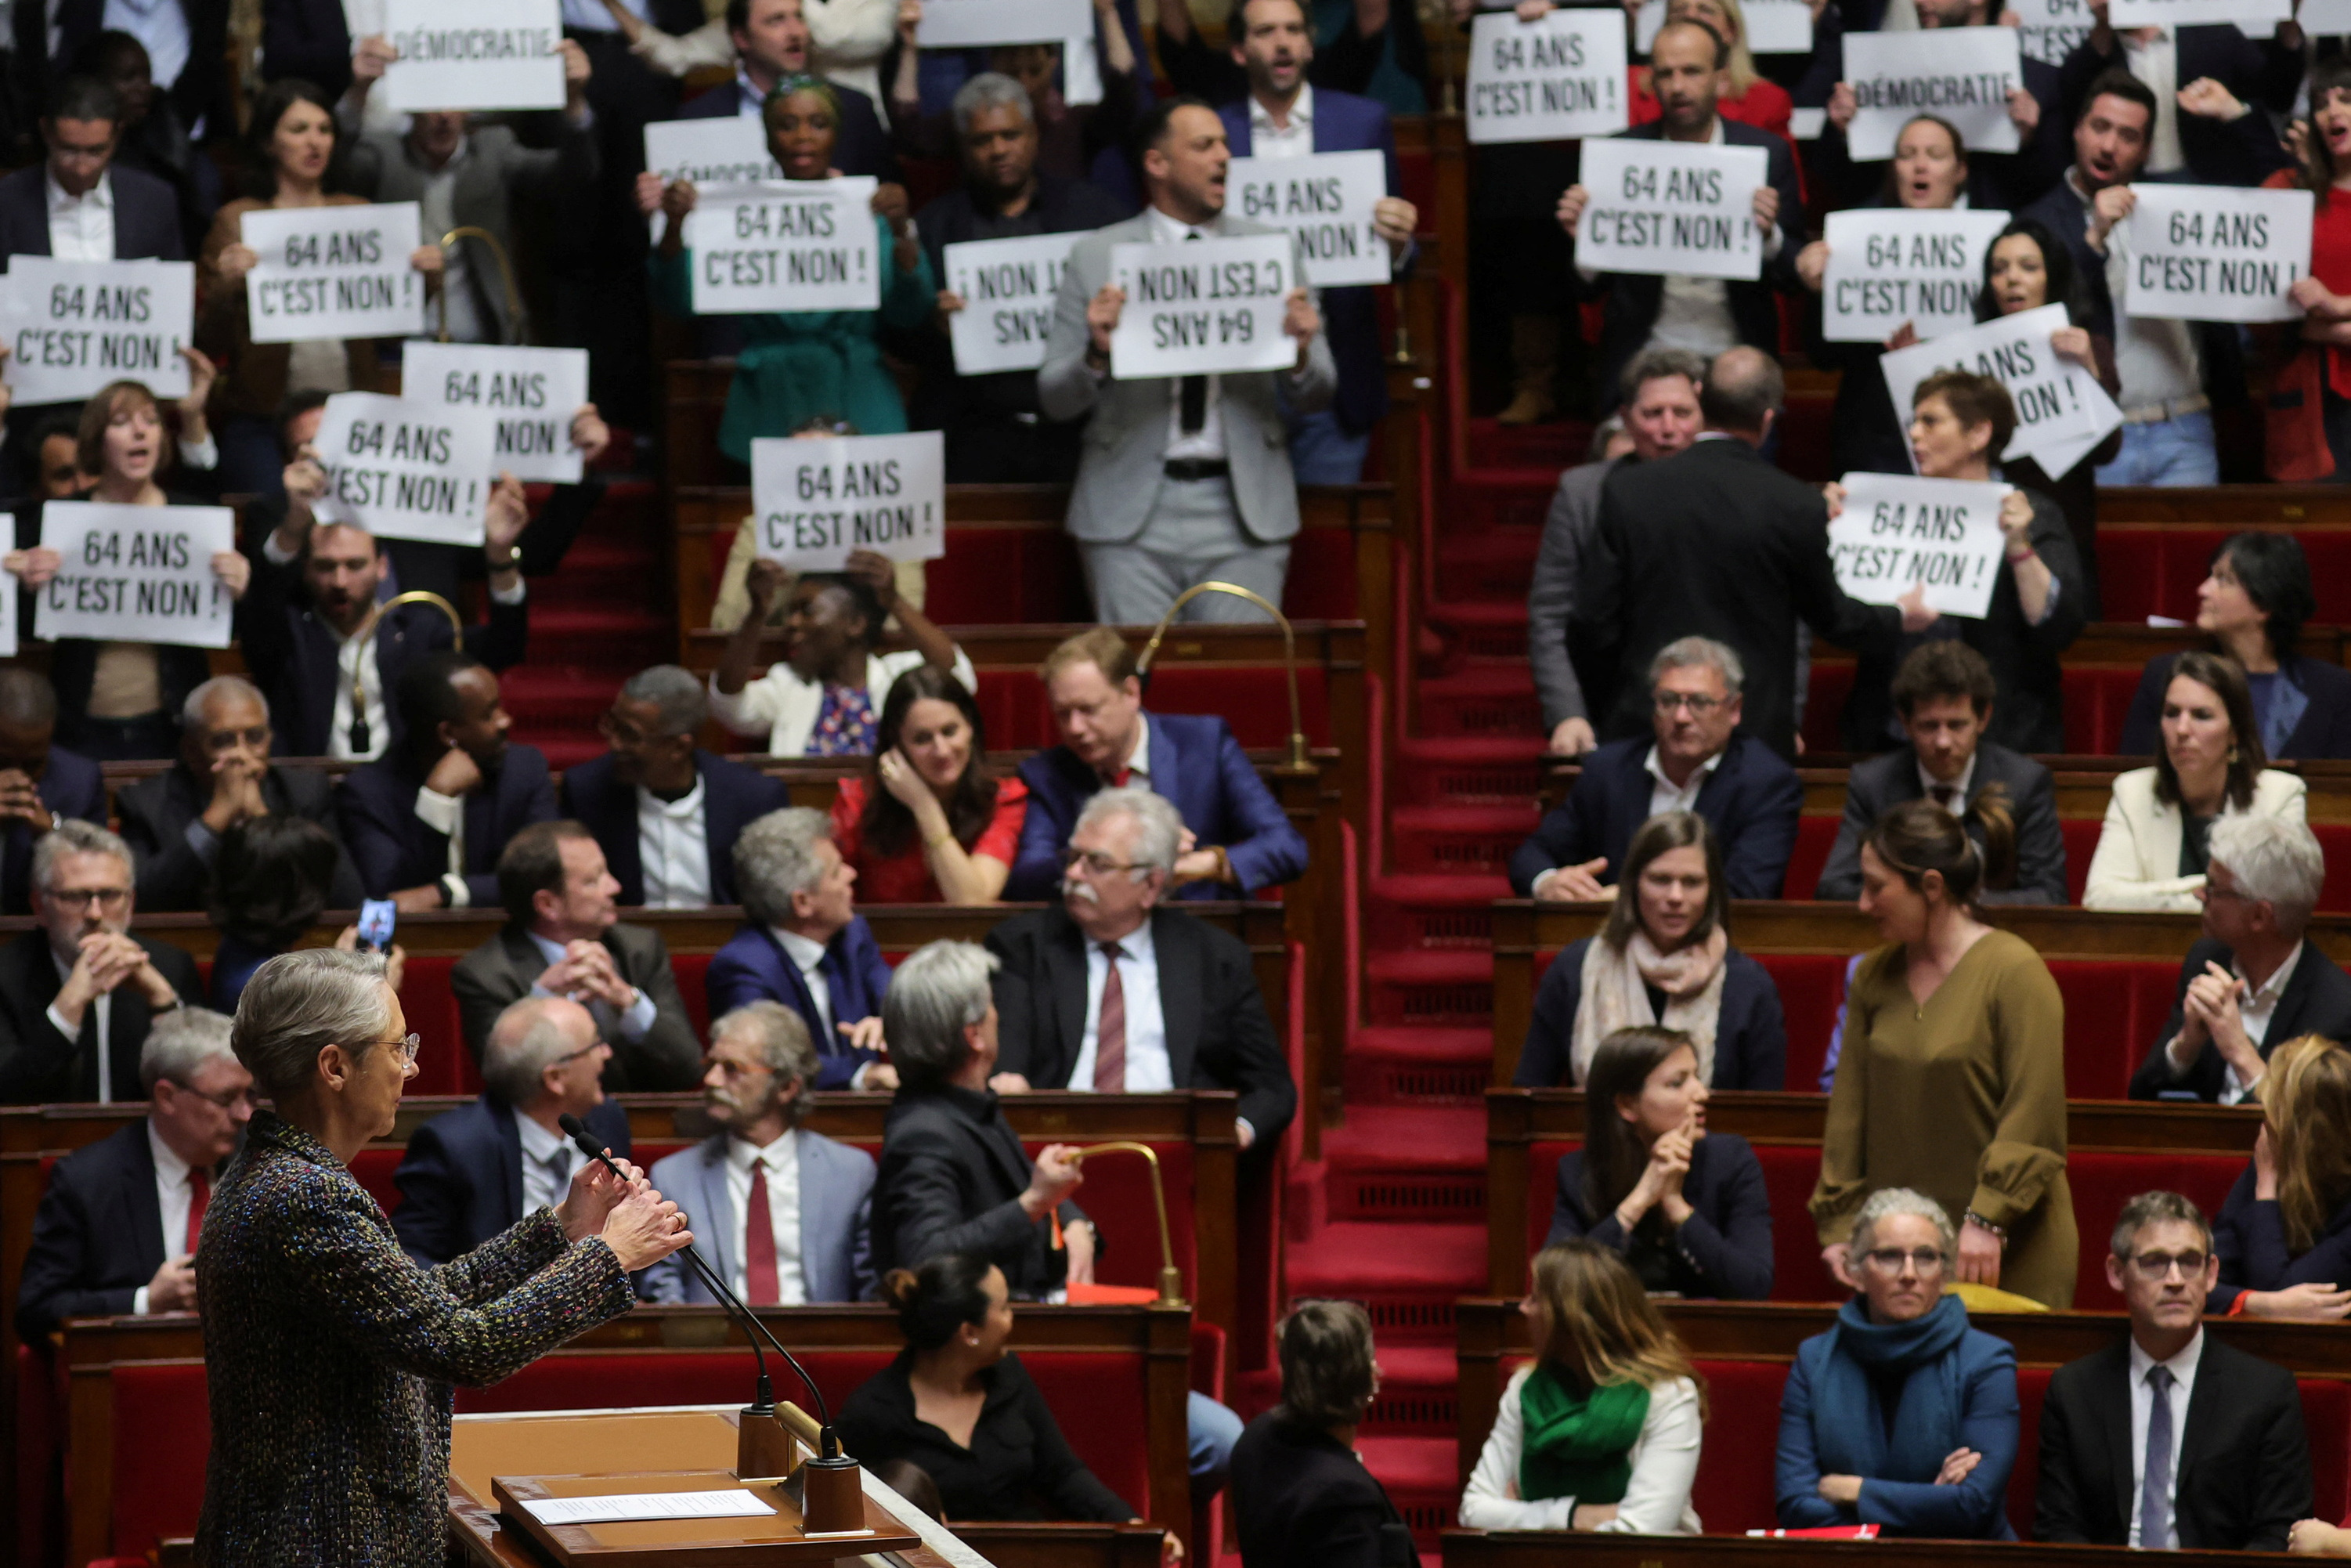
563, 937
1184, 478
782, 1212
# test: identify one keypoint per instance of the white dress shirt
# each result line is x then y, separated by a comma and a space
81, 228
101, 1005
1148, 1067
1295, 140
2142, 1398
674, 848
1929, 784
446, 814
161, 26
2255, 1011
631, 1024
357, 678
806, 954
175, 1198
1665, 795
2154, 61
1138, 767
542, 1186
460, 311
783, 1159
1207, 442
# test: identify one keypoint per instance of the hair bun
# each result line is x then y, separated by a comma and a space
898, 1287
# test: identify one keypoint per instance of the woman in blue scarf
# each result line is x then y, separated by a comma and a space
1901, 1416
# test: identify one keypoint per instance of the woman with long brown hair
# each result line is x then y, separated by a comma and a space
1602, 1432
2284, 1239
928, 821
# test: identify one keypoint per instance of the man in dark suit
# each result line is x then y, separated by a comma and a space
77, 996
1699, 760
804, 945
174, 822
771, 41
2172, 1438
1236, 837
1112, 991
1716, 542
116, 1231
41, 786
2251, 983
184, 39
1944, 693
475, 1171
563, 937
666, 812
425, 823
2213, 136
47, 209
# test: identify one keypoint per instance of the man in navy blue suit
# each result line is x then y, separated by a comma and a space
1237, 838
771, 40
667, 812
804, 945
1699, 762
39, 785
472, 1173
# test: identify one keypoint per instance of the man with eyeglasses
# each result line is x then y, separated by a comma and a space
2173, 1437
77, 996
40, 785
1698, 760
116, 1230
472, 1173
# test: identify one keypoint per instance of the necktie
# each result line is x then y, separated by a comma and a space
759, 1281
1110, 1038
1194, 391
2155, 1489
558, 1165
1117, 777
200, 1193
1944, 795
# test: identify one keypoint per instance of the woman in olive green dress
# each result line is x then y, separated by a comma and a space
1952, 1079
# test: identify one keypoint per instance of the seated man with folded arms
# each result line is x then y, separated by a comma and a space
2251, 983
1699, 761
782, 1213
1943, 691
1169, 1001
41, 786
2170, 1438
1237, 838
472, 1173
116, 1230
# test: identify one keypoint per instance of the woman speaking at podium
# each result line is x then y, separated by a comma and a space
329, 1353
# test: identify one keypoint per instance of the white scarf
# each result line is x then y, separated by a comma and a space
1616, 995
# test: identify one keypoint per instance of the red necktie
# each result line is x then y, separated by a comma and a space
1110, 1038
759, 1281
200, 1188
1117, 777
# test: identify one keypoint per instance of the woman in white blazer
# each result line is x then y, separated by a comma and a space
2151, 851
1602, 1432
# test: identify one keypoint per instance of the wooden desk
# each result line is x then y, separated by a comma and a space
2206, 506
1547, 1548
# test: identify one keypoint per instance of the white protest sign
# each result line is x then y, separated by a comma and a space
785, 245
2215, 253
1081, 80
473, 54
2128, 14
405, 469
136, 574
1202, 307
966, 24
2323, 18
1773, 26
333, 272
815, 501
73, 326
1671, 207
1559, 76
1008, 288
1806, 124
1326, 200
1897, 533
1892, 264
531, 392
1963, 75
9, 588
2058, 403
731, 150
2048, 30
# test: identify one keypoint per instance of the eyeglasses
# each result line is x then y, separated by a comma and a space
620, 732
1099, 864
254, 739
584, 1050
2157, 1266
1891, 1259
83, 897
228, 1100
407, 1045
1667, 702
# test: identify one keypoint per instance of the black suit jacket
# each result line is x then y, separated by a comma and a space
952, 1173
156, 813
38, 1065
461, 1179
1715, 541
2244, 1461
733, 796
1878, 784
2237, 152
1218, 1035
98, 1236
71, 786
1751, 801
501, 971
307, 39
202, 90
2322, 733
1302, 1500
2317, 1000
146, 210
394, 849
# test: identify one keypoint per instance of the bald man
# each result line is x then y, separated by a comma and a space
41, 786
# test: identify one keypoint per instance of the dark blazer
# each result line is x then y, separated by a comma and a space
1218, 1036
733, 796
1302, 1500
1715, 541
157, 811
502, 970
2250, 1241
1723, 1249
1750, 1033
203, 85
37, 1064
71, 786
2261, 74
952, 1174
2245, 1459
146, 210
1198, 766
1878, 784
754, 968
1751, 801
98, 1236
392, 847
862, 147
2317, 1000
461, 1179
307, 39
2323, 733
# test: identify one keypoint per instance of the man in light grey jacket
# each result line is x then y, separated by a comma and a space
1184, 478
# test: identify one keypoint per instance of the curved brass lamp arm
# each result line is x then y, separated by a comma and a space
505, 274
416, 596
1299, 761
1171, 1279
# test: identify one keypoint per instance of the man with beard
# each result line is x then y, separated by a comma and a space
425, 823
780, 1212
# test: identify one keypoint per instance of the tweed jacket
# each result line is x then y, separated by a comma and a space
329, 1356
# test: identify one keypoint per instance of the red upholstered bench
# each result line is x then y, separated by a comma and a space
990, 576
163, 1432
1816, 836
2114, 1010
443, 1064
2145, 571
1811, 988
1255, 701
